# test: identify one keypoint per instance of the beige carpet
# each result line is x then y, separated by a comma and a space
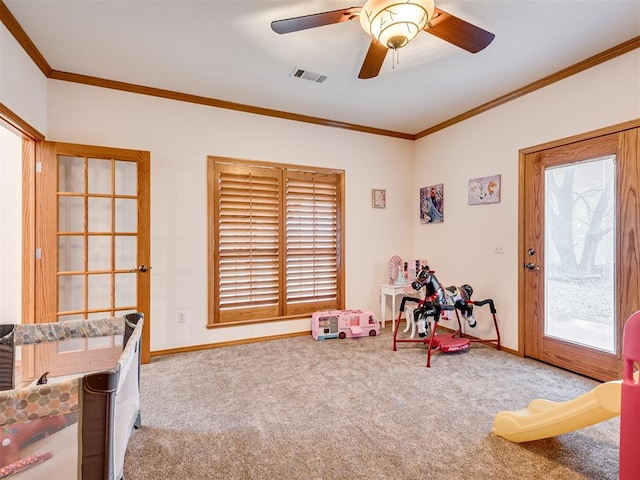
354, 409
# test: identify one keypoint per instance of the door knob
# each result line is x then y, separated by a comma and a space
532, 266
141, 269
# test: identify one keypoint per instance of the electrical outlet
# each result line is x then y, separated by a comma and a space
181, 316
499, 250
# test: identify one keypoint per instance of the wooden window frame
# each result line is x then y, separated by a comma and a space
278, 208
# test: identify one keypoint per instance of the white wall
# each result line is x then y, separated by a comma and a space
23, 87
10, 227
461, 249
179, 137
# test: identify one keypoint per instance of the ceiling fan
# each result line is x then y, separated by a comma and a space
392, 24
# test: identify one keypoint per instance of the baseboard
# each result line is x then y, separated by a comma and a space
208, 346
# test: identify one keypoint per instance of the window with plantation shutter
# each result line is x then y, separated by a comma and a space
275, 241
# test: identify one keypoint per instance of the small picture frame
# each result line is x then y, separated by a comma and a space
484, 190
432, 204
378, 198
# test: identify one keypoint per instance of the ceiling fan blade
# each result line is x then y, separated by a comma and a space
458, 32
374, 60
315, 20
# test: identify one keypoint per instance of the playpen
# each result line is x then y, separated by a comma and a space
76, 426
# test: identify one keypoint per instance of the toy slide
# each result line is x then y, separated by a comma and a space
544, 418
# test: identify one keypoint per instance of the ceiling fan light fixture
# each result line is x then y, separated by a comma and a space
394, 23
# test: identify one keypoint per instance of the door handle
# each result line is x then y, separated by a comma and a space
141, 269
531, 266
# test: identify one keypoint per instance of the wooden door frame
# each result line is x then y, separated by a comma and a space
522, 256
28, 247
30, 137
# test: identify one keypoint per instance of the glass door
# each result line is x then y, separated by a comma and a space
579, 234
94, 247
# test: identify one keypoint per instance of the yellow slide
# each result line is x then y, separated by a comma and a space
544, 418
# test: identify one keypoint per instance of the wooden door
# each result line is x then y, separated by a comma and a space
579, 258
93, 252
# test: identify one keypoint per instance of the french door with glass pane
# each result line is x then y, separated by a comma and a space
92, 217
579, 280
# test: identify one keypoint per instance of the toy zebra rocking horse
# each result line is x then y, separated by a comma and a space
442, 300
438, 303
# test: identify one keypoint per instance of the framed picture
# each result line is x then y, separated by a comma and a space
484, 190
432, 204
378, 198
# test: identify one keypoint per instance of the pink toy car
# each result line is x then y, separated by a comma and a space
343, 324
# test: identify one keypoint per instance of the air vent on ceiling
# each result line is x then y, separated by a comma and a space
307, 75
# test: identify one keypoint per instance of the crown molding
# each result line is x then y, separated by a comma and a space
597, 59
213, 102
9, 21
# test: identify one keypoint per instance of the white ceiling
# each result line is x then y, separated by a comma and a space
226, 50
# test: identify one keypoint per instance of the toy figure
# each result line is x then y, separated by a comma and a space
15, 437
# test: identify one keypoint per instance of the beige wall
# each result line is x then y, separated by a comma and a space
23, 87
179, 137
461, 249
